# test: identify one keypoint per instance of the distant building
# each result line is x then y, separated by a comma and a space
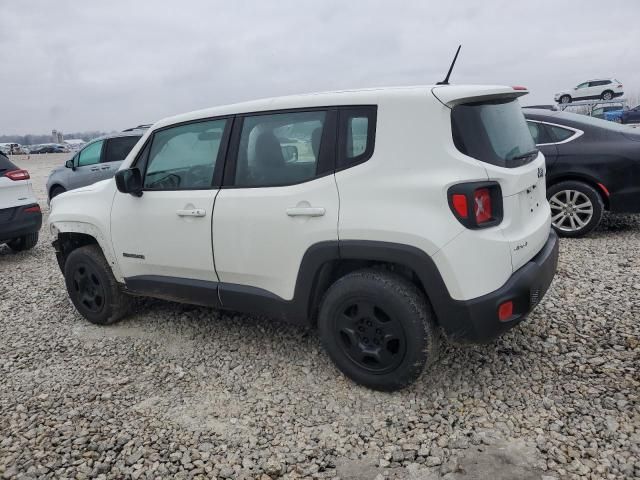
56, 136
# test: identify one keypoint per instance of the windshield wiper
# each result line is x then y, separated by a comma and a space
525, 155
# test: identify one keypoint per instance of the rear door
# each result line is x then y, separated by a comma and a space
278, 199
86, 166
496, 133
115, 151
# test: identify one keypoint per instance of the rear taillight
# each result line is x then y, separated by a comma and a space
17, 175
477, 204
33, 209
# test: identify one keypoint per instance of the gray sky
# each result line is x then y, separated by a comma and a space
86, 65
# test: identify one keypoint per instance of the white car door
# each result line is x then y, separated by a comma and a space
166, 232
279, 198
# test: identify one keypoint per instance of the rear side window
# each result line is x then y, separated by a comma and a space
117, 149
5, 164
494, 132
539, 133
279, 149
357, 135
560, 134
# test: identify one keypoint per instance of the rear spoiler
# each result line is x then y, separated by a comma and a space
452, 95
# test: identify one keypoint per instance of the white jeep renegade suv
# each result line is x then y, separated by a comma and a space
383, 216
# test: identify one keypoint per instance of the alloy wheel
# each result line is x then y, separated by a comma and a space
607, 96
571, 210
369, 336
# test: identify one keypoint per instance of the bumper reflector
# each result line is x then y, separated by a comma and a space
505, 311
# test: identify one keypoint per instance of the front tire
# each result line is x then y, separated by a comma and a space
378, 328
26, 242
93, 288
576, 208
565, 99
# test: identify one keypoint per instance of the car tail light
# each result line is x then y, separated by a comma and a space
17, 175
33, 209
505, 311
476, 204
519, 87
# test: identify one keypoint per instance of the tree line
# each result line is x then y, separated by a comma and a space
31, 139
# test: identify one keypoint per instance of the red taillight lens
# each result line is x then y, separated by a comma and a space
519, 87
505, 311
33, 209
17, 175
459, 202
476, 204
482, 205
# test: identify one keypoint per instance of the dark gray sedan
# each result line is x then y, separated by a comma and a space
98, 160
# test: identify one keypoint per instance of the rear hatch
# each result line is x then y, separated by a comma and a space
488, 125
15, 188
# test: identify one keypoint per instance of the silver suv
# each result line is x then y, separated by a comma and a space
98, 160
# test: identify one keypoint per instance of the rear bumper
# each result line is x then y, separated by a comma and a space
476, 320
626, 201
16, 222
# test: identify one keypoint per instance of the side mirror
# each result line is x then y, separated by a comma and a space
70, 164
129, 181
290, 153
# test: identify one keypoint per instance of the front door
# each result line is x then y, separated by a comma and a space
166, 232
280, 198
86, 166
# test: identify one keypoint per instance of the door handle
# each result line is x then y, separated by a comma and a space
95, 169
305, 211
193, 212
106, 168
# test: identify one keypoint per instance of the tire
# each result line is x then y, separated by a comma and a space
26, 242
378, 328
93, 288
57, 190
565, 99
607, 95
565, 217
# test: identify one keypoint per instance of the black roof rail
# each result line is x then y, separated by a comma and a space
139, 127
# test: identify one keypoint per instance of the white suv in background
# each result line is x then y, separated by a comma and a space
382, 216
602, 89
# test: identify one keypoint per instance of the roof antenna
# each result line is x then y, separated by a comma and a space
446, 79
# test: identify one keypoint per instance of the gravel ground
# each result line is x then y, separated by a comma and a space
187, 392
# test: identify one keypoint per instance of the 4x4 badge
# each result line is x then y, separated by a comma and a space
540, 172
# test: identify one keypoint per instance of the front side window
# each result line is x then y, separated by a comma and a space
184, 157
494, 132
583, 85
279, 149
90, 155
117, 149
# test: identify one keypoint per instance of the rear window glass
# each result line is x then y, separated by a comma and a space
5, 164
494, 132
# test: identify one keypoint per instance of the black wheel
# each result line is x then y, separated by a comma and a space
93, 288
565, 99
57, 190
607, 95
26, 242
576, 208
378, 329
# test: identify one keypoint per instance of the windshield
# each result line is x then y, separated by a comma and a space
493, 132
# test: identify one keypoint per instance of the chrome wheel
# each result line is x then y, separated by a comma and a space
571, 210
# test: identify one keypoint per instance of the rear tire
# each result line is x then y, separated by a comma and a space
55, 191
378, 328
576, 208
93, 288
26, 242
565, 99
607, 95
